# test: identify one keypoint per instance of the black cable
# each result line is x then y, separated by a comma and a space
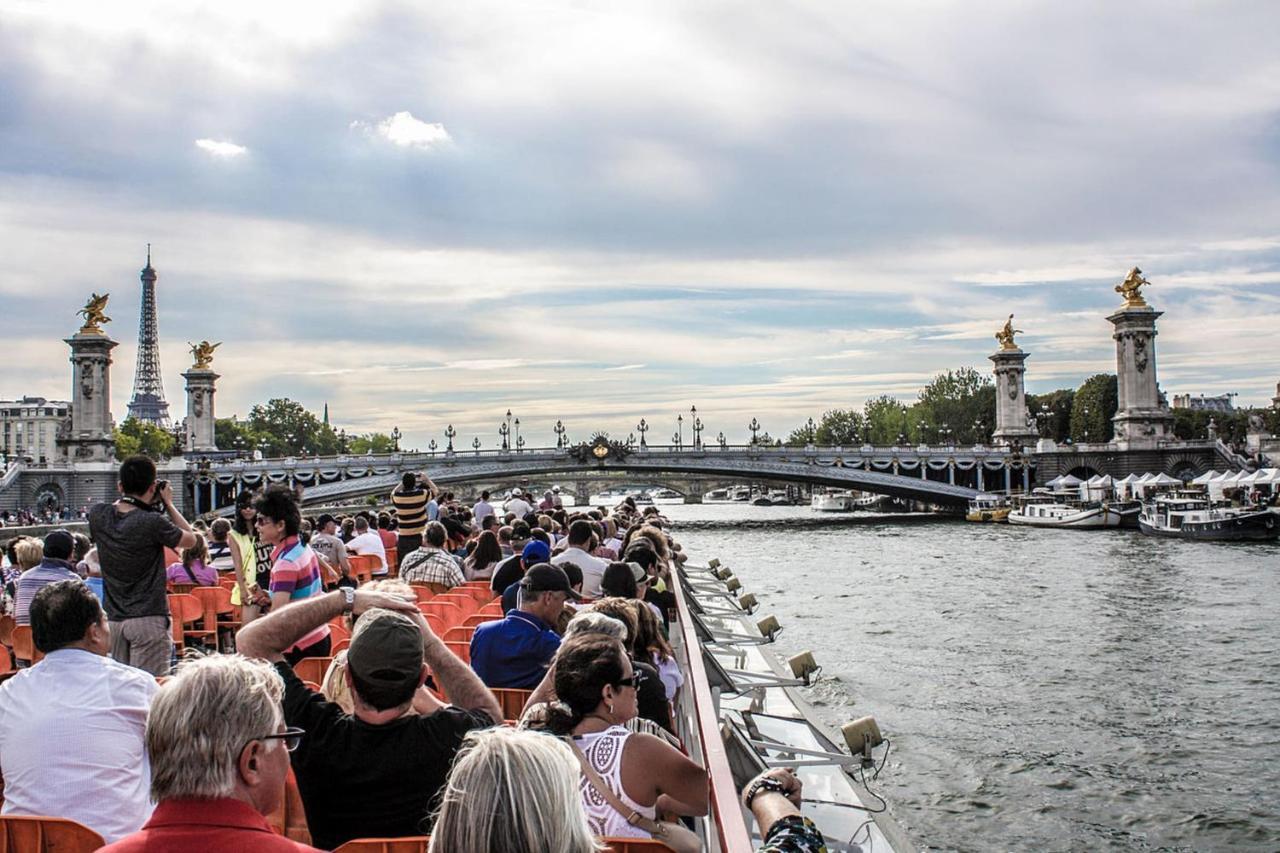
888, 745
884, 806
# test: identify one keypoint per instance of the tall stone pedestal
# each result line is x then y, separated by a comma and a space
199, 426
89, 434
1142, 419
1011, 399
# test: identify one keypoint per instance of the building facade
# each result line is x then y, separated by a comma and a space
29, 428
1220, 403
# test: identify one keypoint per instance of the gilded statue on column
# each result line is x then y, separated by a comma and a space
1005, 335
94, 315
1131, 289
203, 354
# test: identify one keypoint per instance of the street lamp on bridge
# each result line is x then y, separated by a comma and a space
475, 443
697, 427
754, 426
519, 443
395, 438
558, 429
449, 433
504, 431
642, 428
679, 432
720, 440
813, 432
432, 444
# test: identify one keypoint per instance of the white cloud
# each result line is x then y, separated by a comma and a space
404, 130
221, 149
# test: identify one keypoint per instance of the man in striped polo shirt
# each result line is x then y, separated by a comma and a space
410, 500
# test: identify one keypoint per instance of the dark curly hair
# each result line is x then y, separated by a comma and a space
279, 503
584, 665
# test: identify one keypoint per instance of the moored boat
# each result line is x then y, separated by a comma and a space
1046, 510
1189, 516
988, 508
831, 501
1122, 513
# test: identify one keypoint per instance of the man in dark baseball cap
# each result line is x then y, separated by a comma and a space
55, 566
516, 652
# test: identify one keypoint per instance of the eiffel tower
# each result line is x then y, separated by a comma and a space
148, 403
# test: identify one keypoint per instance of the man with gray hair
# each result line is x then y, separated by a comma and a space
378, 771
219, 757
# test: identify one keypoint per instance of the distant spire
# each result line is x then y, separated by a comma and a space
148, 256
326, 413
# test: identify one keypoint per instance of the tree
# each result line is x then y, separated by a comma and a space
836, 427
137, 436
283, 427
233, 434
958, 405
883, 420
1092, 409
376, 442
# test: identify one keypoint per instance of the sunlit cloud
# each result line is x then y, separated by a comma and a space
221, 148
404, 130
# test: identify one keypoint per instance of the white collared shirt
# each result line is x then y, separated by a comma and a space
72, 742
592, 568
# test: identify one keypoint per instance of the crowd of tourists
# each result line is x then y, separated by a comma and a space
404, 737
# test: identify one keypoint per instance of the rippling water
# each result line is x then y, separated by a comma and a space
1044, 690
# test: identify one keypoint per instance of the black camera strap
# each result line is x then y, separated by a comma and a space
140, 504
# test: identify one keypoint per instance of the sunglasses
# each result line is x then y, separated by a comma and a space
291, 737
262, 519
636, 679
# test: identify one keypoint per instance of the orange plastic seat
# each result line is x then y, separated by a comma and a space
422, 591
312, 669
480, 618
24, 645
466, 603
449, 612
512, 701
461, 650
458, 634
187, 610
7, 624
338, 630
479, 590
493, 607
393, 562
219, 612
341, 646
408, 844
24, 834
363, 567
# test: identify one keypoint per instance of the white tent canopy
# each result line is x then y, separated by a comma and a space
1203, 479
1066, 481
1165, 480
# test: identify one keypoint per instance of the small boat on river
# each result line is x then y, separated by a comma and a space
830, 500
1048, 510
988, 508
1193, 516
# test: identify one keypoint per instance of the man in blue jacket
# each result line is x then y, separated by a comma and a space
515, 652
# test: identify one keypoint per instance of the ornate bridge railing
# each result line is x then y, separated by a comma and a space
940, 474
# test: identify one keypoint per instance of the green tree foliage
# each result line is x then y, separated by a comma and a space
1092, 409
836, 427
882, 420
135, 436
233, 434
958, 405
284, 427
375, 442
1051, 413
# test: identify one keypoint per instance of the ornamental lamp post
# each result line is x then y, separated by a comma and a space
504, 431
475, 443
558, 429
754, 426
518, 441
395, 438
679, 432
432, 445
642, 428
720, 439
813, 432
449, 433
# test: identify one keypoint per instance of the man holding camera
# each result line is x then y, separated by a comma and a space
131, 535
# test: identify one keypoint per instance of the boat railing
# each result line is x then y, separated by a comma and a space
698, 724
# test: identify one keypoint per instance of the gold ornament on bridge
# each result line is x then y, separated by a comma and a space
1005, 335
93, 314
1131, 288
202, 353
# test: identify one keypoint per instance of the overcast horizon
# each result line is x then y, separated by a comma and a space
597, 212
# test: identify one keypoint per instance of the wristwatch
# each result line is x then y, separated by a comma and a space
349, 598
764, 783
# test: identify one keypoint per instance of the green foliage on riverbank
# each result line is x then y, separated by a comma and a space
284, 427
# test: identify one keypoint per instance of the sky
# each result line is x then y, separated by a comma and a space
428, 214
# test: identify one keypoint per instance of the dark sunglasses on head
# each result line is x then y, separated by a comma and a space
291, 736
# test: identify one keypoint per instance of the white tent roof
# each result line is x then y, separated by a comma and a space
1165, 480
1204, 478
1132, 478
1066, 480
1147, 478
1262, 476
1224, 477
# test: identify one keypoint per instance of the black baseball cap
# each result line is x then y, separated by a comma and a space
545, 577
386, 649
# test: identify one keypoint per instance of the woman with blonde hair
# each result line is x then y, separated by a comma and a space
512, 791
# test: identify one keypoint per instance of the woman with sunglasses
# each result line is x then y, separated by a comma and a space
243, 542
595, 687
295, 571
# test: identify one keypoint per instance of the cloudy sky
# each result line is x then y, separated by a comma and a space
597, 211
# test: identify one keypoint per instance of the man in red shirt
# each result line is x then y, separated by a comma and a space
219, 754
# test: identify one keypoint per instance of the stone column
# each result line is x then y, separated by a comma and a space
89, 436
200, 390
1011, 398
1142, 418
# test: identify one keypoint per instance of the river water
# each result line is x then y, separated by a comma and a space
1042, 689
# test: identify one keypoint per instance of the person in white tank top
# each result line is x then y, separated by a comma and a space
596, 691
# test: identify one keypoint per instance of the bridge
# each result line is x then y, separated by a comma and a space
944, 475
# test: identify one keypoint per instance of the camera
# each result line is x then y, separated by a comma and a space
158, 503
